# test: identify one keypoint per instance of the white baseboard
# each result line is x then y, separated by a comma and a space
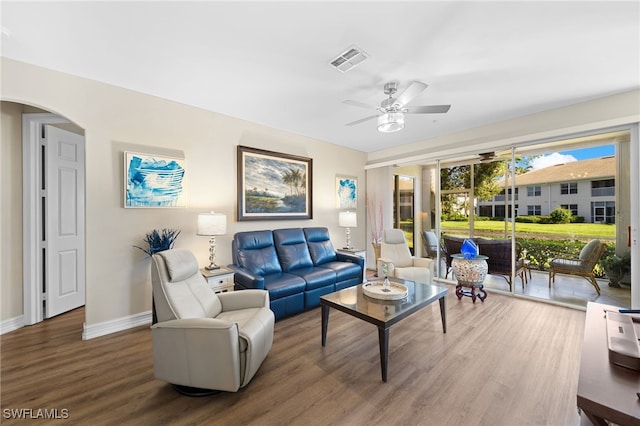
112, 326
11, 324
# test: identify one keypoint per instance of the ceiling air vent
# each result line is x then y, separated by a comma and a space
348, 59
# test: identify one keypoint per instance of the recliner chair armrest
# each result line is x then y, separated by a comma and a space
191, 361
391, 267
424, 262
244, 299
209, 323
246, 279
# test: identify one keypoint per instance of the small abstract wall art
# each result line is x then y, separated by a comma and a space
154, 180
346, 192
273, 186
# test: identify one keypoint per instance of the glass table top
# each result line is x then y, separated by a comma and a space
353, 301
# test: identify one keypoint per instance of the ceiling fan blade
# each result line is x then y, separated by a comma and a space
428, 109
362, 120
410, 92
358, 104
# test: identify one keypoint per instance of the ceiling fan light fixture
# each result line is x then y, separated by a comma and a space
390, 122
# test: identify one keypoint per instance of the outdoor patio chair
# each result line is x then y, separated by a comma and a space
430, 242
452, 245
582, 266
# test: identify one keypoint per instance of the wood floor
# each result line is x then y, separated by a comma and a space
506, 361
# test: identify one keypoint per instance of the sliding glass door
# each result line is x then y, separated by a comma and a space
547, 201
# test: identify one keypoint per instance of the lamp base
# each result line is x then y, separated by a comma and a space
211, 267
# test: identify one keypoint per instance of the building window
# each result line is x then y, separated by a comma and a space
500, 196
534, 191
572, 207
603, 188
486, 211
535, 210
568, 188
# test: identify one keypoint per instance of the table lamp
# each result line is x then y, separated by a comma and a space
212, 224
348, 220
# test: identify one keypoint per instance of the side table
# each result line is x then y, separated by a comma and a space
220, 280
358, 252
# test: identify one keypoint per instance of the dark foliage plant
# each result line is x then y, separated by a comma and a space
159, 240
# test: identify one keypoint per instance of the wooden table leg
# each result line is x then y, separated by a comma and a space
383, 339
443, 315
325, 323
597, 421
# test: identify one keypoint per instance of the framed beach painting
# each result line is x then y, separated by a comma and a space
154, 181
273, 186
346, 192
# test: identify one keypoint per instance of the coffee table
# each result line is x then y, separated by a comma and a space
382, 313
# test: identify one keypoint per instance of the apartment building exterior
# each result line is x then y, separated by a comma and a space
586, 188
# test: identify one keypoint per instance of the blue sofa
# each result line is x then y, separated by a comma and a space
296, 266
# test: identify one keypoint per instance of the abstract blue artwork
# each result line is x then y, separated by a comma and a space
154, 181
346, 192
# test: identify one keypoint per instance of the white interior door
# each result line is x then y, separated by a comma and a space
63, 221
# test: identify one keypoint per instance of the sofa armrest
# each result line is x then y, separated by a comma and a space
246, 279
349, 257
236, 300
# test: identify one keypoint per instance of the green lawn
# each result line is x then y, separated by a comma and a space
593, 230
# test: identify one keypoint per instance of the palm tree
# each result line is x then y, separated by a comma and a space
288, 178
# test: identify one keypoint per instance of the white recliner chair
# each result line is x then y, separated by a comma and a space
205, 342
394, 252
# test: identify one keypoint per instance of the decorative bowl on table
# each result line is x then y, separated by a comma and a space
378, 290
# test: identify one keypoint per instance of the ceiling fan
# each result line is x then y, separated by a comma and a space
488, 157
393, 109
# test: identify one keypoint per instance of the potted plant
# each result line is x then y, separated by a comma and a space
159, 240
616, 267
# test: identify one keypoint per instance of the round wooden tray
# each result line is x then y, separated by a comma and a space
376, 290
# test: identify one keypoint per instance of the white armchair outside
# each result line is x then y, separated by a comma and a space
394, 252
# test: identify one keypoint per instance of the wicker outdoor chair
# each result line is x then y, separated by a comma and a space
582, 266
452, 245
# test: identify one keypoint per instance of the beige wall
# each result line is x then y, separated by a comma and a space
615, 110
117, 120
11, 211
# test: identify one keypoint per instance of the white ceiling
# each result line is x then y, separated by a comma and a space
268, 62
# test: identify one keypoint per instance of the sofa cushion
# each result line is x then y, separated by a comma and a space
320, 246
292, 249
344, 270
283, 284
588, 249
257, 252
316, 277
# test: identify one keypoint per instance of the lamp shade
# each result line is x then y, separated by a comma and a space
390, 122
347, 220
212, 224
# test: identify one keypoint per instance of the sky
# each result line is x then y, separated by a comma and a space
572, 155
